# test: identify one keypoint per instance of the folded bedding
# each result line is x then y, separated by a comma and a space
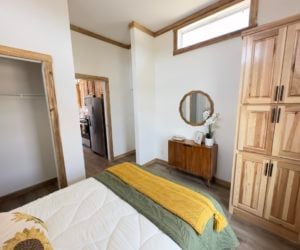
193, 220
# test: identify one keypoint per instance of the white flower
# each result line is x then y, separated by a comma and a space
212, 120
206, 114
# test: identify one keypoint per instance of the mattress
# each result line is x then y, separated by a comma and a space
88, 215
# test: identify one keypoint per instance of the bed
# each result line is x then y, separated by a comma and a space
106, 213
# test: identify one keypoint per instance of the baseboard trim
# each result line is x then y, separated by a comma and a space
129, 153
28, 189
267, 225
222, 183
217, 181
156, 160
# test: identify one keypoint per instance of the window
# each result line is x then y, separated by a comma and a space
215, 27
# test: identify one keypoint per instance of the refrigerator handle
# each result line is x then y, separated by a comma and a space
94, 123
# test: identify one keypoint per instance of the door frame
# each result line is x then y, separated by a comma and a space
108, 123
49, 87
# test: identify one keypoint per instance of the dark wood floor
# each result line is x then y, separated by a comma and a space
250, 236
15, 201
94, 164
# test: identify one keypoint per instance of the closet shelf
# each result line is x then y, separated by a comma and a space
22, 95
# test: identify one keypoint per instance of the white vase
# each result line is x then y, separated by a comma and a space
209, 142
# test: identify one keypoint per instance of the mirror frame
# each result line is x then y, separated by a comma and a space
192, 92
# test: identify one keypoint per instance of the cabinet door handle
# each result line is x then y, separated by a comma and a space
278, 115
281, 92
276, 93
270, 170
266, 169
273, 115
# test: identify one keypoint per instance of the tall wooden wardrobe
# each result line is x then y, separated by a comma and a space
266, 171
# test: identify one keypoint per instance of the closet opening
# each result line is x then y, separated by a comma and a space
95, 116
30, 144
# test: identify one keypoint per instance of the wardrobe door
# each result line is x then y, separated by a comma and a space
250, 183
283, 199
256, 128
291, 67
262, 66
287, 132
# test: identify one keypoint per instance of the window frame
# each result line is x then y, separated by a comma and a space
210, 11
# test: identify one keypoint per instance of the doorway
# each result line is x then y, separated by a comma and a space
93, 98
30, 149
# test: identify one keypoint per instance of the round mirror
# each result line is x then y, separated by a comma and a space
195, 107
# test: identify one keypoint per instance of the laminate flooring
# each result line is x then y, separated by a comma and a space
250, 236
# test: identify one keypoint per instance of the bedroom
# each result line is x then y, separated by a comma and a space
147, 83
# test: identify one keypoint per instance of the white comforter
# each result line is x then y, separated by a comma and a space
87, 215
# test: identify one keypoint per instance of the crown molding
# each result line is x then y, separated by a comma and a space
99, 37
141, 27
272, 25
221, 4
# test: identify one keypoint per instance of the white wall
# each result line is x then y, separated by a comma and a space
94, 57
143, 60
272, 10
213, 69
203, 69
43, 26
26, 151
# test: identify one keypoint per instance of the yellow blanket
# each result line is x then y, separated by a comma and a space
194, 208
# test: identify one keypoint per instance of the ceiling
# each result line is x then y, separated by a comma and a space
110, 18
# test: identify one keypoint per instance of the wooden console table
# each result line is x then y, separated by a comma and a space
199, 160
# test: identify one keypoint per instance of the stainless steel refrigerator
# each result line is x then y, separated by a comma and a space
96, 117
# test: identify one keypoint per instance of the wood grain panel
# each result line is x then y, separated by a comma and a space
250, 183
90, 87
195, 159
98, 88
269, 126
283, 202
25, 54
177, 154
263, 62
54, 121
256, 129
83, 90
291, 66
198, 161
287, 132
87, 87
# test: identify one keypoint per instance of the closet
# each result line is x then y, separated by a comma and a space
26, 149
266, 171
